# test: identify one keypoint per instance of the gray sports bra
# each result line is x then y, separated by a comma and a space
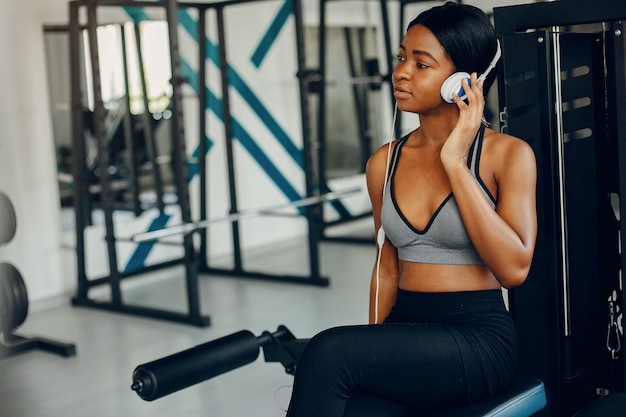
444, 240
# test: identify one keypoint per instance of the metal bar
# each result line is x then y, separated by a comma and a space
81, 193
560, 162
246, 214
617, 108
202, 119
152, 3
313, 183
228, 136
179, 155
292, 279
198, 320
103, 154
96, 282
320, 141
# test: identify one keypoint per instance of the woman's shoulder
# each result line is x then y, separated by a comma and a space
501, 147
378, 160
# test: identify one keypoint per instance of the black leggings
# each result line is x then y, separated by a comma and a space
434, 350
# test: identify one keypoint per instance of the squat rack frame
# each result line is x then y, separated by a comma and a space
81, 192
194, 261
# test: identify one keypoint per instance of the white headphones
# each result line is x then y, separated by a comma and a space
453, 83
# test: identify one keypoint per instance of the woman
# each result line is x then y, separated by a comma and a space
458, 210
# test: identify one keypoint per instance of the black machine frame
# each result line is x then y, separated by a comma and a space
562, 88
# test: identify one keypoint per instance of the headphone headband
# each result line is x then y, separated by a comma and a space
493, 62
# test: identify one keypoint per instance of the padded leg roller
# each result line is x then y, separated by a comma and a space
173, 373
170, 374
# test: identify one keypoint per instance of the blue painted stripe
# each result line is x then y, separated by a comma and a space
191, 26
268, 166
272, 33
138, 259
193, 168
239, 132
137, 14
235, 80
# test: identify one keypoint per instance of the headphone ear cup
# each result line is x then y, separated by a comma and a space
453, 85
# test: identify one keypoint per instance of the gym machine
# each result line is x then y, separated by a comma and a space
562, 89
165, 376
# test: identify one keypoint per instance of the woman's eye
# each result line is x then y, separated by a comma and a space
420, 65
400, 58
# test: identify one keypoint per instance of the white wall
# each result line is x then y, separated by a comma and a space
27, 161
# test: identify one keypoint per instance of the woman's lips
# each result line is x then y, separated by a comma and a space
400, 93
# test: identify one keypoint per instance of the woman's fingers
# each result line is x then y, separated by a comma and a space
475, 101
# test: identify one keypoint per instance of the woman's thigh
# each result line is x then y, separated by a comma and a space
416, 364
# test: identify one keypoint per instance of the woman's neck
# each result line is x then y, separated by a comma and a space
435, 129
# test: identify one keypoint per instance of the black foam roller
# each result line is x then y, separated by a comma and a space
164, 376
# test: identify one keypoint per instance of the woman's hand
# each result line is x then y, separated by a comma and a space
458, 143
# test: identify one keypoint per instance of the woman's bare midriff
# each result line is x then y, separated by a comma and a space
420, 277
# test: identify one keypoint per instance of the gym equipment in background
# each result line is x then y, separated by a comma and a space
8, 220
14, 298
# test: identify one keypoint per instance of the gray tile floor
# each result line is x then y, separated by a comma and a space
96, 382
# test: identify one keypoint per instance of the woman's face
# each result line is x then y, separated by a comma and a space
423, 65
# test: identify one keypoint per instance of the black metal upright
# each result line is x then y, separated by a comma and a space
314, 212
616, 108
202, 148
561, 88
106, 198
179, 155
229, 138
81, 192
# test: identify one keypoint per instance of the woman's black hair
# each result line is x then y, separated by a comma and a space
466, 33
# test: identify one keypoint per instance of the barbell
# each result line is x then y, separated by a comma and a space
245, 214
